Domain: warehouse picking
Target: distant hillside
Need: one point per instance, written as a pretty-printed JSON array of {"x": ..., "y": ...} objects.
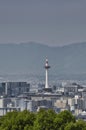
[{"x": 30, "y": 57}]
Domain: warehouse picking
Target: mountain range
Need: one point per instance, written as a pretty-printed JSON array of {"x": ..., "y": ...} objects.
[{"x": 29, "y": 58}]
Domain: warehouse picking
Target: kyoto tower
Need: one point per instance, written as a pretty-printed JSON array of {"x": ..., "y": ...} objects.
[{"x": 46, "y": 78}]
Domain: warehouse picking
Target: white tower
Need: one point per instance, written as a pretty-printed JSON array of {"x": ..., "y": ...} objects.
[
  {"x": 46, "y": 79},
  {"x": 6, "y": 89}
]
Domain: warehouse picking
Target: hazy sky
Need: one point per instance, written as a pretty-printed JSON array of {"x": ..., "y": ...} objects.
[{"x": 52, "y": 22}]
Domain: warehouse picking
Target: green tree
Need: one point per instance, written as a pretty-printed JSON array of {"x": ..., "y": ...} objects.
[
  {"x": 62, "y": 119},
  {"x": 7, "y": 121},
  {"x": 80, "y": 125},
  {"x": 17, "y": 120},
  {"x": 25, "y": 118},
  {"x": 44, "y": 120},
  {"x": 70, "y": 126},
  {"x": 66, "y": 116}
]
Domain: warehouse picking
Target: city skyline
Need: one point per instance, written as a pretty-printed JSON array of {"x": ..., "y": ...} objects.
[{"x": 54, "y": 23}]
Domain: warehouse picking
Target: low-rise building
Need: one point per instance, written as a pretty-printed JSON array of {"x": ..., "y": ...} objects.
[{"x": 70, "y": 89}]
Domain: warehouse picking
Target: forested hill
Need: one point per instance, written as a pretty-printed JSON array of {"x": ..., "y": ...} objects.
[{"x": 30, "y": 57}]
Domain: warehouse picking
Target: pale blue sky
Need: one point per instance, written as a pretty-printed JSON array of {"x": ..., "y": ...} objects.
[{"x": 51, "y": 22}]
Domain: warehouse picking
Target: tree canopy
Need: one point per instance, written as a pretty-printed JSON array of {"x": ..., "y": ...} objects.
[{"x": 42, "y": 120}]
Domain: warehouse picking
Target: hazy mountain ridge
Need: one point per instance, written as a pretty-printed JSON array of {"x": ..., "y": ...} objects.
[{"x": 30, "y": 58}]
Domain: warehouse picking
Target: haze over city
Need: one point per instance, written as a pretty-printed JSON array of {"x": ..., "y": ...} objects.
[
  {"x": 51, "y": 22},
  {"x": 42, "y": 64}
]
